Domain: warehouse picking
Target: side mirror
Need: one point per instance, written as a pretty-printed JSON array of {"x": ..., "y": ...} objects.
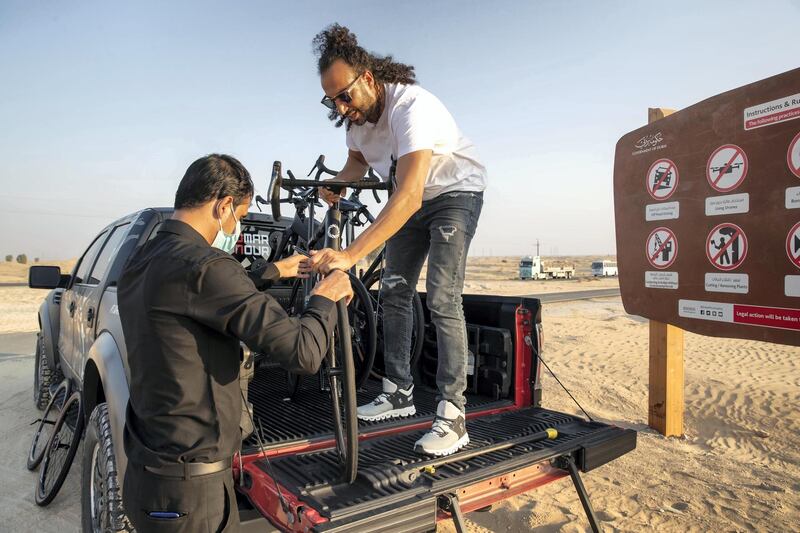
[{"x": 46, "y": 277}]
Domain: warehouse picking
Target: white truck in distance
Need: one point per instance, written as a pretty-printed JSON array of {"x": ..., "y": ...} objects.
[
  {"x": 532, "y": 267},
  {"x": 604, "y": 268}
]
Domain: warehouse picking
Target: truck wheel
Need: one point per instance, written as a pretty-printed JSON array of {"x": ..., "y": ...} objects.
[
  {"x": 43, "y": 376},
  {"x": 101, "y": 497}
]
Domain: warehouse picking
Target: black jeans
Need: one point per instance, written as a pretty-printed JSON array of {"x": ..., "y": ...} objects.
[
  {"x": 442, "y": 230},
  {"x": 206, "y": 504}
]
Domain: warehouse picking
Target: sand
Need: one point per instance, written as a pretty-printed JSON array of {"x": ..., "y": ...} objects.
[{"x": 735, "y": 470}]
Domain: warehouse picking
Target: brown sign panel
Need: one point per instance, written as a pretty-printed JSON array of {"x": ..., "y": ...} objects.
[{"x": 707, "y": 205}]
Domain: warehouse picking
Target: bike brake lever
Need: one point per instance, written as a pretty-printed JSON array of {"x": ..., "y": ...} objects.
[{"x": 375, "y": 194}]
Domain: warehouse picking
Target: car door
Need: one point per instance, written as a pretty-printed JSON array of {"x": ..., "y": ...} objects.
[
  {"x": 88, "y": 293},
  {"x": 69, "y": 303}
]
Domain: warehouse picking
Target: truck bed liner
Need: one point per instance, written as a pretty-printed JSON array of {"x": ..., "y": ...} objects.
[
  {"x": 384, "y": 462},
  {"x": 307, "y": 416}
]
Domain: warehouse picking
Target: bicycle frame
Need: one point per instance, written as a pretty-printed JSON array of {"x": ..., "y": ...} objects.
[{"x": 347, "y": 434}]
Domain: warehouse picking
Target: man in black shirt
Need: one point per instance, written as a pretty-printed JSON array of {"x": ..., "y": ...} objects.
[{"x": 185, "y": 304}]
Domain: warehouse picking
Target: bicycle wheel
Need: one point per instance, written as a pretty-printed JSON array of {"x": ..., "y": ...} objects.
[
  {"x": 60, "y": 450},
  {"x": 341, "y": 375},
  {"x": 44, "y": 430},
  {"x": 363, "y": 334},
  {"x": 363, "y": 331},
  {"x": 373, "y": 286}
]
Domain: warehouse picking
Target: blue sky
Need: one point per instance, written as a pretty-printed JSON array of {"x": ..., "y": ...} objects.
[{"x": 103, "y": 105}]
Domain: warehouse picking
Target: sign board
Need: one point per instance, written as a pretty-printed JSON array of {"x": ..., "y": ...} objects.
[{"x": 722, "y": 178}]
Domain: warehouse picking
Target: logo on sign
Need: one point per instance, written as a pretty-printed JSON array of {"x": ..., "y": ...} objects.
[
  {"x": 726, "y": 168},
  {"x": 651, "y": 140},
  {"x": 726, "y": 246},
  {"x": 661, "y": 248},
  {"x": 662, "y": 179},
  {"x": 793, "y": 245},
  {"x": 793, "y": 155}
]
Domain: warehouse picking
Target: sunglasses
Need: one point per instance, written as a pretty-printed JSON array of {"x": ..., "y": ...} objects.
[{"x": 343, "y": 95}]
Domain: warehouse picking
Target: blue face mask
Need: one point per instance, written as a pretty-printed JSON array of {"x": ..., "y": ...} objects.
[{"x": 224, "y": 241}]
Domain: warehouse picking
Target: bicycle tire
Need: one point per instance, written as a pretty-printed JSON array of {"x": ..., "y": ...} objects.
[
  {"x": 364, "y": 335},
  {"x": 59, "y": 456},
  {"x": 44, "y": 430},
  {"x": 363, "y": 332},
  {"x": 345, "y": 428},
  {"x": 417, "y": 331}
]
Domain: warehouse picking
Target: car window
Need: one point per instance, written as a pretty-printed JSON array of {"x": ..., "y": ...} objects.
[
  {"x": 107, "y": 254},
  {"x": 88, "y": 258}
]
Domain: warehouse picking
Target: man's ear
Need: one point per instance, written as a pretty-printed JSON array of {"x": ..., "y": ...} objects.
[
  {"x": 370, "y": 79},
  {"x": 222, "y": 206}
]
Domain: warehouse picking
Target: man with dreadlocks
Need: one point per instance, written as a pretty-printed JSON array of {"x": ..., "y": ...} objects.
[{"x": 439, "y": 181}]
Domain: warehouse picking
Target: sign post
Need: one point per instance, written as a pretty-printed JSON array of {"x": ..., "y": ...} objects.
[{"x": 665, "y": 382}]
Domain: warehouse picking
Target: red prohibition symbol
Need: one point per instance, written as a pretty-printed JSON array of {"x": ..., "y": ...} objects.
[
  {"x": 726, "y": 168},
  {"x": 793, "y": 155},
  {"x": 662, "y": 179},
  {"x": 726, "y": 246},
  {"x": 661, "y": 247},
  {"x": 793, "y": 245}
]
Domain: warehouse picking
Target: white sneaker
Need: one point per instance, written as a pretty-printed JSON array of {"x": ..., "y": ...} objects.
[
  {"x": 391, "y": 403},
  {"x": 448, "y": 433}
]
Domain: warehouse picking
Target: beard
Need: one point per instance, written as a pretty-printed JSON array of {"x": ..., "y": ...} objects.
[{"x": 372, "y": 113}]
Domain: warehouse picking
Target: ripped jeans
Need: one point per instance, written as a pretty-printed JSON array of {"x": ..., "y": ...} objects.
[{"x": 442, "y": 230}]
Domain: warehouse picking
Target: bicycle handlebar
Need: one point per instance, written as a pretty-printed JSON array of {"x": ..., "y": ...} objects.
[{"x": 277, "y": 182}]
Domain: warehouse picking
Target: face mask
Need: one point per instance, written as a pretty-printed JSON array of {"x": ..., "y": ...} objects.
[{"x": 226, "y": 242}]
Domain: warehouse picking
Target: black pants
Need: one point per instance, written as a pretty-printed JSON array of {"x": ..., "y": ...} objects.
[{"x": 205, "y": 504}]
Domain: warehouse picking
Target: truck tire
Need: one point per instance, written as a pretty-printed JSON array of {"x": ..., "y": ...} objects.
[
  {"x": 43, "y": 376},
  {"x": 101, "y": 497}
]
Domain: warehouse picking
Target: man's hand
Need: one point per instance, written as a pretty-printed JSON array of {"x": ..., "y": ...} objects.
[
  {"x": 292, "y": 267},
  {"x": 326, "y": 260},
  {"x": 330, "y": 197},
  {"x": 334, "y": 287}
]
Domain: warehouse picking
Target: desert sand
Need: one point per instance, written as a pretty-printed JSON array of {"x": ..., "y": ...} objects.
[{"x": 736, "y": 469}]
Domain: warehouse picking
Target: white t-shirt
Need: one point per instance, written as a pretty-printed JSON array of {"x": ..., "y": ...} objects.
[{"x": 414, "y": 119}]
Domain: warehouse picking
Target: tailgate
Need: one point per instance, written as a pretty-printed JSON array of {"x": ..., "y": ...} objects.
[{"x": 390, "y": 495}]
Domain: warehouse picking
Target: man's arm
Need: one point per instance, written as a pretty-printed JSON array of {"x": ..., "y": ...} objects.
[
  {"x": 225, "y": 299},
  {"x": 353, "y": 170},
  {"x": 412, "y": 169},
  {"x": 263, "y": 274}
]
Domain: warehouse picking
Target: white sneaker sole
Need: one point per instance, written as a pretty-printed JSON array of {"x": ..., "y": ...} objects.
[
  {"x": 394, "y": 413},
  {"x": 460, "y": 443}
]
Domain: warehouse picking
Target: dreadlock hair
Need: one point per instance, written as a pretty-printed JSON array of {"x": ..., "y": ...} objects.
[{"x": 338, "y": 42}]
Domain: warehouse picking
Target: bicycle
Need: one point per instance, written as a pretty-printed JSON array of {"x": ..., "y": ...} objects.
[
  {"x": 305, "y": 233},
  {"x": 341, "y": 353},
  {"x": 356, "y": 214}
]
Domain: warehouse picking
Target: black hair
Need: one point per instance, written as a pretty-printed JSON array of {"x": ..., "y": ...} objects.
[
  {"x": 338, "y": 42},
  {"x": 213, "y": 177}
]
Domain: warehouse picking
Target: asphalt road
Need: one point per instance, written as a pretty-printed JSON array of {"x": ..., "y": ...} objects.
[{"x": 575, "y": 295}]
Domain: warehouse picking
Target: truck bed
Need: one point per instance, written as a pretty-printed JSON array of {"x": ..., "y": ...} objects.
[{"x": 306, "y": 418}]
